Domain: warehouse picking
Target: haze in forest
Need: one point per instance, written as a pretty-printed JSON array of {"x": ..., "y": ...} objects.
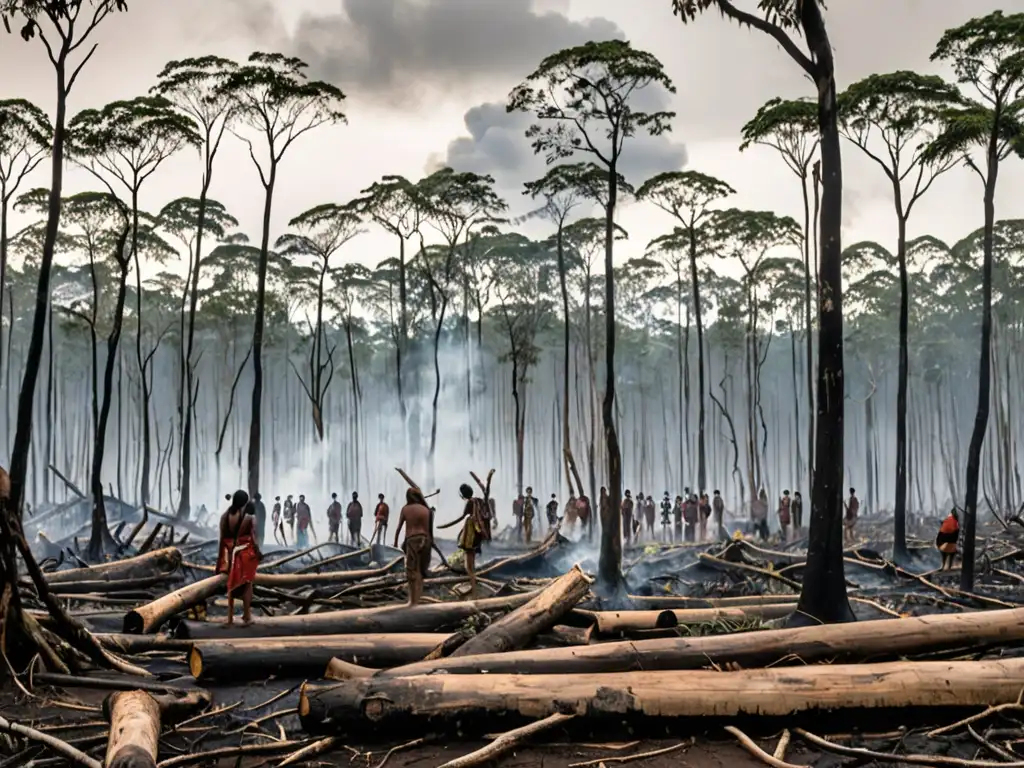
[{"x": 427, "y": 82}]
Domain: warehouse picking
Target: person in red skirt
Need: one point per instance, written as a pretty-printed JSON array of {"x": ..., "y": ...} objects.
[{"x": 239, "y": 554}]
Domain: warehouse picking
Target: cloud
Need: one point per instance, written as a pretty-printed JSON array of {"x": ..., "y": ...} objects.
[
  {"x": 496, "y": 144},
  {"x": 393, "y": 51}
]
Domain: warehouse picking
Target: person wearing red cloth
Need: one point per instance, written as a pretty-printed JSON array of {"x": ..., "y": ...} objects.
[
  {"x": 239, "y": 553},
  {"x": 946, "y": 541}
]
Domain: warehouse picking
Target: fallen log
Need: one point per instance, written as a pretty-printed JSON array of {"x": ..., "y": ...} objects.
[
  {"x": 517, "y": 629},
  {"x": 481, "y": 701},
  {"x": 291, "y": 580},
  {"x": 392, "y": 618},
  {"x": 258, "y": 658},
  {"x": 150, "y": 617},
  {"x": 669, "y": 602},
  {"x": 109, "y": 586},
  {"x": 160, "y": 561},
  {"x": 619, "y": 622},
  {"x": 865, "y": 640},
  {"x": 132, "y": 644},
  {"x": 134, "y": 739}
]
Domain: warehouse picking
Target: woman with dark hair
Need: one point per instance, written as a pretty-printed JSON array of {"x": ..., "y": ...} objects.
[
  {"x": 475, "y": 531},
  {"x": 239, "y": 554},
  {"x": 946, "y": 541}
]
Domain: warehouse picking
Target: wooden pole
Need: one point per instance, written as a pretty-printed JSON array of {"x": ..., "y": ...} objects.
[
  {"x": 134, "y": 730},
  {"x": 160, "y": 561},
  {"x": 151, "y": 616},
  {"x": 865, "y": 640},
  {"x": 477, "y": 702},
  {"x": 618, "y": 622}
]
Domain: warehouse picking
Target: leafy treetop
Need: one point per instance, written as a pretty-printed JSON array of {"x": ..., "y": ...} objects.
[
  {"x": 25, "y": 136},
  {"x": 685, "y": 195},
  {"x": 180, "y": 218},
  {"x": 274, "y": 97},
  {"x": 789, "y": 126},
  {"x": 455, "y": 200},
  {"x": 393, "y": 203},
  {"x": 129, "y": 139},
  {"x": 195, "y": 86},
  {"x": 743, "y": 234},
  {"x": 577, "y": 87},
  {"x": 320, "y": 231}
]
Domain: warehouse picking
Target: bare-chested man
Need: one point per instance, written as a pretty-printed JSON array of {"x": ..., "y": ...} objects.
[{"x": 419, "y": 536}]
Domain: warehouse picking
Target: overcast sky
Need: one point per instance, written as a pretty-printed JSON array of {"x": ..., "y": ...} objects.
[{"x": 427, "y": 81}]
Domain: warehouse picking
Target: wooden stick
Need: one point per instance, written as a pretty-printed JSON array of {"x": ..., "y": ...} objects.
[
  {"x": 407, "y": 745},
  {"x": 506, "y": 742},
  {"x": 870, "y": 754},
  {"x": 751, "y": 746},
  {"x": 60, "y": 747},
  {"x": 213, "y": 755},
  {"x": 313, "y": 750},
  {"x": 637, "y": 756}
]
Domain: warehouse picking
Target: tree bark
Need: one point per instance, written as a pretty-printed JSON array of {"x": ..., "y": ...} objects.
[
  {"x": 134, "y": 739},
  {"x": 619, "y": 622},
  {"x": 393, "y": 618},
  {"x": 376, "y": 705},
  {"x": 260, "y": 657},
  {"x": 158, "y": 562},
  {"x": 517, "y": 629},
  {"x": 151, "y": 616}
]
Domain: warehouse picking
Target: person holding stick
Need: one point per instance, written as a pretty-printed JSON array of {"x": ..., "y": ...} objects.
[{"x": 475, "y": 531}]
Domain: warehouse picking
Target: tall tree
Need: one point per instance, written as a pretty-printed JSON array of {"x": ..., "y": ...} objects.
[
  {"x": 564, "y": 188},
  {"x": 687, "y": 197},
  {"x": 193, "y": 86},
  {"x": 123, "y": 145},
  {"x": 888, "y": 117},
  {"x": 319, "y": 234},
  {"x": 823, "y": 596},
  {"x": 274, "y": 101},
  {"x": 791, "y": 129},
  {"x": 393, "y": 203},
  {"x": 25, "y": 137},
  {"x": 583, "y": 99},
  {"x": 987, "y": 55}
]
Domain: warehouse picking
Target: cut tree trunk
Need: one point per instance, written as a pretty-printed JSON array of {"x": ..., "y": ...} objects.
[
  {"x": 151, "y": 616},
  {"x": 617, "y": 622},
  {"x": 156, "y": 563},
  {"x": 519, "y": 628},
  {"x": 670, "y": 602},
  {"x": 880, "y": 639},
  {"x": 134, "y": 730},
  {"x": 288, "y": 580},
  {"x": 260, "y": 657},
  {"x": 478, "y": 702},
  {"x": 392, "y": 618}
]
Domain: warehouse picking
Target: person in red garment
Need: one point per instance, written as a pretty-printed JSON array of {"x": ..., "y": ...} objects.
[
  {"x": 239, "y": 554},
  {"x": 946, "y": 541}
]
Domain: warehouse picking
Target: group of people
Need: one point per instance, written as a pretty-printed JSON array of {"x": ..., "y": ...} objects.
[
  {"x": 295, "y": 519},
  {"x": 683, "y": 520},
  {"x": 525, "y": 507}
]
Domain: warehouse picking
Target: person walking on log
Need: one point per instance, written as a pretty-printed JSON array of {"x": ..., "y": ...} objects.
[
  {"x": 552, "y": 512},
  {"x": 475, "y": 531},
  {"x": 354, "y": 513},
  {"x": 850, "y": 521},
  {"x": 333, "y": 518},
  {"x": 418, "y": 522},
  {"x": 289, "y": 515},
  {"x": 303, "y": 523},
  {"x": 946, "y": 541},
  {"x": 277, "y": 522},
  {"x": 380, "y": 520},
  {"x": 239, "y": 553},
  {"x": 627, "y": 518}
]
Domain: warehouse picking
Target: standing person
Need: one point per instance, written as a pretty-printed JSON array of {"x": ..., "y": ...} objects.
[
  {"x": 784, "y": 514},
  {"x": 418, "y": 522},
  {"x": 571, "y": 514},
  {"x": 528, "y": 509},
  {"x": 261, "y": 518},
  {"x": 627, "y": 518},
  {"x": 759, "y": 514},
  {"x": 238, "y": 554},
  {"x": 474, "y": 533},
  {"x": 354, "y": 513},
  {"x": 289, "y": 516},
  {"x": 677, "y": 519},
  {"x": 852, "y": 508},
  {"x": 946, "y": 541},
  {"x": 517, "y": 513},
  {"x": 691, "y": 513},
  {"x": 718, "y": 510},
  {"x": 583, "y": 511},
  {"x": 381, "y": 513},
  {"x": 552, "y": 511},
  {"x": 797, "y": 508},
  {"x": 275, "y": 520},
  {"x": 304, "y": 523},
  {"x": 666, "y": 518},
  {"x": 704, "y": 513},
  {"x": 649, "y": 515},
  {"x": 333, "y": 518}
]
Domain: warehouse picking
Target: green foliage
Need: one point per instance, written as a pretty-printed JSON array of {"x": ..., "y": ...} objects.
[
  {"x": 393, "y": 203},
  {"x": 454, "y": 201},
  {"x": 180, "y": 218},
  {"x": 30, "y": 12},
  {"x": 585, "y": 92},
  {"x": 129, "y": 140},
  {"x": 986, "y": 53},
  {"x": 196, "y": 86},
  {"x": 685, "y": 195},
  {"x": 25, "y": 136},
  {"x": 742, "y": 234},
  {"x": 273, "y": 97},
  {"x": 320, "y": 232},
  {"x": 781, "y": 13}
]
